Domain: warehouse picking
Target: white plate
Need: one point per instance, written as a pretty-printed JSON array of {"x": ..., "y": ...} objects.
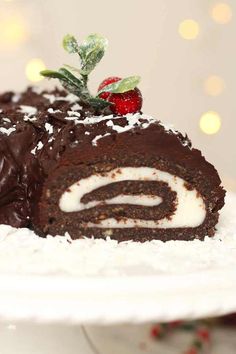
[{"x": 96, "y": 281}]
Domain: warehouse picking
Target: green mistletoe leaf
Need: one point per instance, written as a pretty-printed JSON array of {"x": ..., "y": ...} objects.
[
  {"x": 121, "y": 86},
  {"x": 70, "y": 44},
  {"x": 98, "y": 103},
  {"x": 72, "y": 68},
  {"x": 52, "y": 74},
  {"x": 91, "y": 52}
]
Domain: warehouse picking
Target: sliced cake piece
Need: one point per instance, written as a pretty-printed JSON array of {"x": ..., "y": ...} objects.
[{"x": 130, "y": 178}]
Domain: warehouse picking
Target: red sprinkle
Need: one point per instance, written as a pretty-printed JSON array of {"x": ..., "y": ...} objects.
[
  {"x": 192, "y": 351},
  {"x": 156, "y": 331},
  {"x": 175, "y": 324},
  {"x": 203, "y": 334}
]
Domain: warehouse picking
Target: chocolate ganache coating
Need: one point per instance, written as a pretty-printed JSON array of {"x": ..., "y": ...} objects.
[
  {"x": 53, "y": 148},
  {"x": 30, "y": 123}
]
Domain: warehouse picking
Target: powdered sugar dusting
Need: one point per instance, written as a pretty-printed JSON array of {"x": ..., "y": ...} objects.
[
  {"x": 169, "y": 127},
  {"x": 76, "y": 107},
  {"x": 73, "y": 114},
  {"x": 53, "y": 111},
  {"x": 7, "y": 131},
  {"x": 38, "y": 147},
  {"x": 37, "y": 89},
  {"x": 22, "y": 252},
  {"x": 133, "y": 120},
  {"x": 28, "y": 110},
  {"x": 98, "y": 137},
  {"x": 49, "y": 128},
  {"x": 16, "y": 97},
  {"x": 53, "y": 98},
  {"x": 6, "y": 120},
  {"x": 91, "y": 120}
]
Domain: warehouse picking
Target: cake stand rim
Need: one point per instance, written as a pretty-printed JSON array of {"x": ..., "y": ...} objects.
[{"x": 117, "y": 300}]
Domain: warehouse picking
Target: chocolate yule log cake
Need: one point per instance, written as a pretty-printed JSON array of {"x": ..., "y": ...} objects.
[{"x": 96, "y": 166}]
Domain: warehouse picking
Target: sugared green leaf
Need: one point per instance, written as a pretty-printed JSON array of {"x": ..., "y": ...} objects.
[
  {"x": 70, "y": 44},
  {"x": 71, "y": 88},
  {"x": 68, "y": 81},
  {"x": 98, "y": 103},
  {"x": 63, "y": 75},
  {"x": 121, "y": 86},
  {"x": 51, "y": 74},
  {"x": 72, "y": 68},
  {"x": 73, "y": 84},
  {"x": 91, "y": 52},
  {"x": 70, "y": 77}
]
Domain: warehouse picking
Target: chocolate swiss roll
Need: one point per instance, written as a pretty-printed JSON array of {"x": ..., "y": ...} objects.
[
  {"x": 127, "y": 178},
  {"x": 64, "y": 168}
]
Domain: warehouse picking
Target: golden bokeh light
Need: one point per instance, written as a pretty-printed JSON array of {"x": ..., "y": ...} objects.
[
  {"x": 189, "y": 29},
  {"x": 33, "y": 68},
  {"x": 214, "y": 85},
  {"x": 210, "y": 122},
  {"x": 221, "y": 13},
  {"x": 13, "y": 30}
]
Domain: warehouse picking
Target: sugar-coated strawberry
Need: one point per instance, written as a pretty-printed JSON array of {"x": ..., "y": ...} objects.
[
  {"x": 123, "y": 103},
  {"x": 127, "y": 102}
]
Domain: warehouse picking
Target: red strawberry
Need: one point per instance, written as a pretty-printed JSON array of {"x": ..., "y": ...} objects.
[
  {"x": 123, "y": 103},
  {"x": 108, "y": 81}
]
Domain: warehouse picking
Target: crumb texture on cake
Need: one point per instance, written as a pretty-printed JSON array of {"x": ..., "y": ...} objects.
[{"x": 65, "y": 167}]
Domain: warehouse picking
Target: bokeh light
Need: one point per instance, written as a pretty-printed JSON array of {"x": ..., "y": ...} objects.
[
  {"x": 221, "y": 13},
  {"x": 189, "y": 29},
  {"x": 210, "y": 122},
  {"x": 33, "y": 68},
  {"x": 13, "y": 30},
  {"x": 214, "y": 85}
]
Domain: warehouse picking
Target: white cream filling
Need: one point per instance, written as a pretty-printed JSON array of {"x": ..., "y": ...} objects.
[
  {"x": 144, "y": 200},
  {"x": 190, "y": 210}
]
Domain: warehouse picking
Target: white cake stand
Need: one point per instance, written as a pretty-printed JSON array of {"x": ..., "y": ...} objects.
[{"x": 96, "y": 282}]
